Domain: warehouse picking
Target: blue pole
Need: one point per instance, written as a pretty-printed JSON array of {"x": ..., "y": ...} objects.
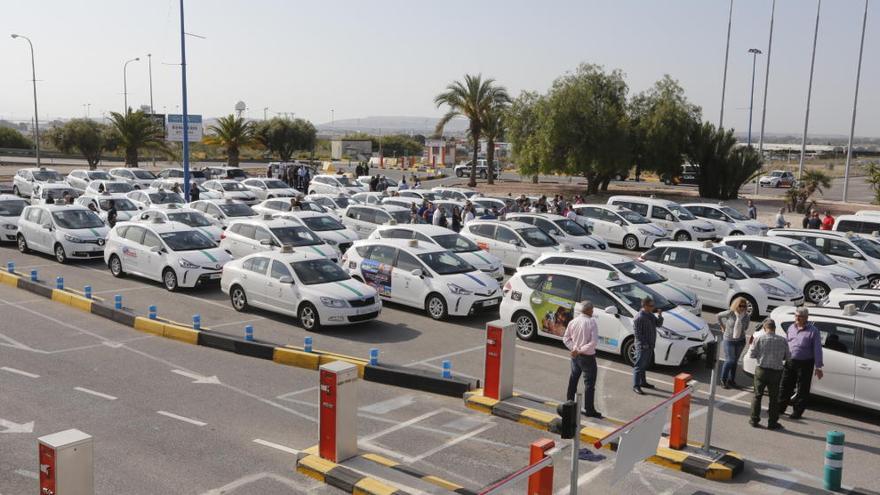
[
  {"x": 152, "y": 312},
  {"x": 307, "y": 344},
  {"x": 185, "y": 110},
  {"x": 249, "y": 333},
  {"x": 374, "y": 356},
  {"x": 87, "y": 291},
  {"x": 10, "y": 266},
  {"x": 59, "y": 283},
  {"x": 117, "y": 301},
  {"x": 447, "y": 369},
  {"x": 833, "y": 460},
  {"x": 33, "y": 275},
  {"x": 197, "y": 322}
]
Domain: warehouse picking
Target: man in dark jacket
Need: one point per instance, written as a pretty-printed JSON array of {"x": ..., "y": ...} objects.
[
  {"x": 645, "y": 333},
  {"x": 111, "y": 213}
]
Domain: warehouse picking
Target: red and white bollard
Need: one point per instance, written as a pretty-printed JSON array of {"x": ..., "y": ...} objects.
[
  {"x": 681, "y": 412},
  {"x": 500, "y": 360},
  {"x": 338, "y": 417},
  {"x": 541, "y": 483}
]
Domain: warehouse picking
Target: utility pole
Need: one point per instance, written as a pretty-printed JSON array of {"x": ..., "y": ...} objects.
[
  {"x": 852, "y": 126},
  {"x": 265, "y": 113},
  {"x": 766, "y": 84},
  {"x": 125, "y": 83},
  {"x": 809, "y": 92},
  {"x": 724, "y": 77},
  {"x": 185, "y": 111},
  {"x": 755, "y": 52},
  {"x": 34, "y": 81}
]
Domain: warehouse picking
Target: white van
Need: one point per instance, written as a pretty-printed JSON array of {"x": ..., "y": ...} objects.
[
  {"x": 515, "y": 243},
  {"x": 670, "y": 215},
  {"x": 852, "y": 250},
  {"x": 859, "y": 223},
  {"x": 363, "y": 219},
  {"x": 619, "y": 225}
]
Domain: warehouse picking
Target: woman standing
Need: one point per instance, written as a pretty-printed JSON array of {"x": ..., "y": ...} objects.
[
  {"x": 734, "y": 324},
  {"x": 456, "y": 219}
]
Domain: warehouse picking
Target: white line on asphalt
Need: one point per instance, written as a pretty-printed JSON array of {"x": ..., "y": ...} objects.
[
  {"x": 19, "y": 372},
  {"x": 588, "y": 476},
  {"x": 182, "y": 418},
  {"x": 233, "y": 486},
  {"x": 96, "y": 394},
  {"x": 450, "y": 354},
  {"x": 451, "y": 442},
  {"x": 400, "y": 426},
  {"x": 295, "y": 392},
  {"x": 27, "y": 474},
  {"x": 234, "y": 323},
  {"x": 720, "y": 402},
  {"x": 386, "y": 406},
  {"x": 276, "y": 446}
]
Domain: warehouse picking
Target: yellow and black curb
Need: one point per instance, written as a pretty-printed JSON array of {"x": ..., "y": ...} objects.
[
  {"x": 314, "y": 466},
  {"x": 388, "y": 374},
  {"x": 690, "y": 460},
  {"x": 427, "y": 478}
]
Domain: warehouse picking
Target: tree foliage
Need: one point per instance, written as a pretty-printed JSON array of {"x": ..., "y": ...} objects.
[
  {"x": 133, "y": 132},
  {"x": 232, "y": 133},
  {"x": 524, "y": 127},
  {"x": 11, "y": 138},
  {"x": 872, "y": 171},
  {"x": 398, "y": 145},
  {"x": 494, "y": 131},
  {"x": 84, "y": 136},
  {"x": 724, "y": 166},
  {"x": 283, "y": 137},
  {"x": 810, "y": 183}
]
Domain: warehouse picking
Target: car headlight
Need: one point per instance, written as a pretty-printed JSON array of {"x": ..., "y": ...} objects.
[
  {"x": 73, "y": 238},
  {"x": 186, "y": 264},
  {"x": 669, "y": 334},
  {"x": 331, "y": 242},
  {"x": 10, "y": 226},
  {"x": 773, "y": 291},
  {"x": 588, "y": 246},
  {"x": 331, "y": 302},
  {"x": 461, "y": 291},
  {"x": 843, "y": 279},
  {"x": 702, "y": 229},
  {"x": 646, "y": 232}
]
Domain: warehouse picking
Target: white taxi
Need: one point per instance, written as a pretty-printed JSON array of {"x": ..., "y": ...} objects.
[
  {"x": 224, "y": 210},
  {"x": 24, "y": 180},
  {"x": 187, "y": 216},
  {"x": 65, "y": 231},
  {"x": 108, "y": 186},
  {"x": 335, "y": 185},
  {"x": 301, "y": 284},
  {"x": 422, "y": 275},
  {"x": 567, "y": 232},
  {"x": 855, "y": 251},
  {"x": 726, "y": 220},
  {"x": 79, "y": 179},
  {"x": 324, "y": 226},
  {"x": 231, "y": 189},
  {"x": 681, "y": 223},
  {"x": 137, "y": 177},
  {"x": 515, "y": 243},
  {"x": 145, "y": 198},
  {"x": 54, "y": 190},
  {"x": 265, "y": 188},
  {"x": 332, "y": 202},
  {"x": 100, "y": 203},
  {"x": 10, "y": 211},
  {"x": 618, "y": 225},
  {"x": 251, "y": 235}
]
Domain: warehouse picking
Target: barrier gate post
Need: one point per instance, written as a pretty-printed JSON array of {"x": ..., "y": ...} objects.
[
  {"x": 338, "y": 416},
  {"x": 681, "y": 412},
  {"x": 499, "y": 364},
  {"x": 66, "y": 463},
  {"x": 541, "y": 483}
]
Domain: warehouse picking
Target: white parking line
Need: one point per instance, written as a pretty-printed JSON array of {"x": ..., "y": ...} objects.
[
  {"x": 19, "y": 372},
  {"x": 182, "y": 418},
  {"x": 400, "y": 426},
  {"x": 234, "y": 323},
  {"x": 450, "y": 354},
  {"x": 95, "y": 393},
  {"x": 276, "y": 446},
  {"x": 451, "y": 442}
]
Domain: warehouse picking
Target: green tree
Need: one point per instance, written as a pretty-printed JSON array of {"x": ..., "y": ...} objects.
[
  {"x": 232, "y": 133},
  {"x": 872, "y": 171},
  {"x": 810, "y": 183},
  {"x": 284, "y": 137},
  {"x": 471, "y": 98},
  {"x": 11, "y": 138},
  {"x": 133, "y": 132},
  {"x": 524, "y": 128},
  {"x": 724, "y": 166},
  {"x": 83, "y": 136},
  {"x": 399, "y": 145}
]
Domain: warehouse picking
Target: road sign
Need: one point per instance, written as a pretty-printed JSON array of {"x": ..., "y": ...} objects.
[{"x": 174, "y": 128}]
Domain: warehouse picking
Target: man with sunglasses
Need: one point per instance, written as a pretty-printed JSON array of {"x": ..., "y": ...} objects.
[{"x": 645, "y": 333}]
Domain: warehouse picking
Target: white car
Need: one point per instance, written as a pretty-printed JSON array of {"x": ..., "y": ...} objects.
[
  {"x": 852, "y": 250},
  {"x": 364, "y": 180},
  {"x": 224, "y": 210},
  {"x": 860, "y": 223},
  {"x": 332, "y": 202},
  {"x": 815, "y": 273},
  {"x": 364, "y": 219},
  {"x": 778, "y": 178},
  {"x": 454, "y": 193},
  {"x": 679, "y": 295},
  {"x": 55, "y": 190},
  {"x": 24, "y": 180},
  {"x": 489, "y": 203},
  {"x": 223, "y": 172},
  {"x": 301, "y": 284},
  {"x": 682, "y": 225},
  {"x": 169, "y": 185},
  {"x": 422, "y": 275},
  {"x": 369, "y": 198},
  {"x": 726, "y": 220},
  {"x": 172, "y": 253},
  {"x": 281, "y": 205},
  {"x": 232, "y": 189},
  {"x": 866, "y": 300},
  {"x": 720, "y": 274},
  {"x": 418, "y": 195},
  {"x": 325, "y": 226},
  {"x": 125, "y": 209},
  {"x": 65, "y": 231},
  {"x": 145, "y": 198},
  {"x": 516, "y": 244},
  {"x": 335, "y": 185},
  {"x": 619, "y": 225},
  {"x": 566, "y": 232},
  {"x": 195, "y": 176},
  {"x": 80, "y": 179},
  {"x": 540, "y": 301},
  {"x": 137, "y": 177},
  {"x": 247, "y": 236},
  {"x": 447, "y": 239},
  {"x": 109, "y": 186},
  {"x": 187, "y": 216},
  {"x": 10, "y": 211},
  {"x": 270, "y": 188},
  {"x": 850, "y": 351}
]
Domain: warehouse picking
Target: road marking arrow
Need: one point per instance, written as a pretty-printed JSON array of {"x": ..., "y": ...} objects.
[
  {"x": 13, "y": 427},
  {"x": 197, "y": 378}
]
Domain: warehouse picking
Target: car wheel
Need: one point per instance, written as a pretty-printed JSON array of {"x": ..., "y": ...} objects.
[
  {"x": 15, "y": 191},
  {"x": 736, "y": 232},
  {"x": 238, "y": 298},
  {"x": 115, "y": 266},
  {"x": 629, "y": 351},
  {"x": 874, "y": 283},
  {"x": 169, "y": 279},
  {"x": 682, "y": 236},
  {"x": 22, "y": 244},
  {"x": 630, "y": 242},
  {"x": 60, "y": 255},
  {"x": 458, "y": 173},
  {"x": 667, "y": 181},
  {"x": 815, "y": 292},
  {"x": 778, "y": 185},
  {"x": 526, "y": 327},
  {"x": 308, "y": 317},
  {"x": 311, "y": 192},
  {"x": 526, "y": 262},
  {"x": 435, "y": 305}
]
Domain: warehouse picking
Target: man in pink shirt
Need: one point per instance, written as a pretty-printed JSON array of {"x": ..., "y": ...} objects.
[{"x": 581, "y": 338}]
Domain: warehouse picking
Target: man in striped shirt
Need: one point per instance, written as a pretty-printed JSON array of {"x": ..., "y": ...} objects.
[
  {"x": 771, "y": 352},
  {"x": 581, "y": 338}
]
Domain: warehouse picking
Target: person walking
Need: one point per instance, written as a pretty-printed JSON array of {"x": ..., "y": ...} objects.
[
  {"x": 753, "y": 211},
  {"x": 780, "y": 219},
  {"x": 468, "y": 214},
  {"x": 805, "y": 221},
  {"x": 456, "y": 219},
  {"x": 645, "y": 333},
  {"x": 194, "y": 191},
  {"x": 805, "y": 344},
  {"x": 581, "y": 337},
  {"x": 734, "y": 323},
  {"x": 827, "y": 221},
  {"x": 770, "y": 351}
]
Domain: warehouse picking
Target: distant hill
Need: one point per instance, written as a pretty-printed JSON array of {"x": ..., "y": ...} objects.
[{"x": 392, "y": 125}]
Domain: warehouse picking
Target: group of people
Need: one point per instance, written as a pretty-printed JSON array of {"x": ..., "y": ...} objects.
[
  {"x": 811, "y": 220},
  {"x": 298, "y": 177},
  {"x": 785, "y": 363}
]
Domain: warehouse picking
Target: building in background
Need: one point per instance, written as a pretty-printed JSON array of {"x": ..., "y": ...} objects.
[
  {"x": 440, "y": 152},
  {"x": 351, "y": 149}
]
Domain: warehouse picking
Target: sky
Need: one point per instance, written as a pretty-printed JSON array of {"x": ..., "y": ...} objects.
[{"x": 391, "y": 57}]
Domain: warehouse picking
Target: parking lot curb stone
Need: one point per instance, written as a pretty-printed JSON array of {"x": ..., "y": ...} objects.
[
  {"x": 341, "y": 477},
  {"x": 403, "y": 468}
]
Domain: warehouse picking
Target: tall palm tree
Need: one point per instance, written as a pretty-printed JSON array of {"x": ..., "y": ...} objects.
[
  {"x": 493, "y": 130},
  {"x": 232, "y": 133},
  {"x": 133, "y": 132},
  {"x": 472, "y": 98}
]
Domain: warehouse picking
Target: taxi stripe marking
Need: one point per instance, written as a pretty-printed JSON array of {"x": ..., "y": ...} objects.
[
  {"x": 682, "y": 318},
  {"x": 676, "y": 289},
  {"x": 359, "y": 293},
  {"x": 209, "y": 256},
  {"x": 475, "y": 279}
]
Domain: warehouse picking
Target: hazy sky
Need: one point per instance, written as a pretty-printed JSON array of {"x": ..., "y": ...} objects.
[{"x": 389, "y": 57}]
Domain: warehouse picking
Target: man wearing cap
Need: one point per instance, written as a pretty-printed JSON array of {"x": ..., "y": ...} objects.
[
  {"x": 771, "y": 352},
  {"x": 581, "y": 338},
  {"x": 805, "y": 344}
]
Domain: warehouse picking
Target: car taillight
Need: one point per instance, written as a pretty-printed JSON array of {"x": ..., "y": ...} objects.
[
  {"x": 641, "y": 258},
  {"x": 222, "y": 235}
]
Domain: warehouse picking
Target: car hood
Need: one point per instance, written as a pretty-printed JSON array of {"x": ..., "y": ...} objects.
[
  {"x": 211, "y": 231},
  {"x": 89, "y": 233},
  {"x": 683, "y": 322},
  {"x": 699, "y": 223},
  {"x": 752, "y": 224},
  {"x": 676, "y": 294},
  {"x": 212, "y": 259},
  {"x": 476, "y": 281},
  {"x": 344, "y": 235},
  {"x": 345, "y": 289},
  {"x": 653, "y": 228},
  {"x": 481, "y": 259},
  {"x": 238, "y": 194},
  {"x": 842, "y": 269},
  {"x": 782, "y": 284}
]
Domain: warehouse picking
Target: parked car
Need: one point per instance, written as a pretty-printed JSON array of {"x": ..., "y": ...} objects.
[
  {"x": 231, "y": 189},
  {"x": 270, "y": 188},
  {"x": 79, "y": 179},
  {"x": 673, "y": 217},
  {"x": 335, "y": 185},
  {"x": 245, "y": 236},
  {"x": 145, "y": 198},
  {"x": 25, "y": 178},
  {"x": 778, "y": 178},
  {"x": 224, "y": 210},
  {"x": 726, "y": 220},
  {"x": 55, "y": 190},
  {"x": 853, "y": 250},
  {"x": 185, "y": 215},
  {"x": 454, "y": 193},
  {"x": 65, "y": 231},
  {"x": 137, "y": 177},
  {"x": 363, "y": 219},
  {"x": 195, "y": 176},
  {"x": 325, "y": 226},
  {"x": 332, "y": 202},
  {"x": 565, "y": 231},
  {"x": 223, "y": 172},
  {"x": 464, "y": 169},
  {"x": 859, "y": 224},
  {"x": 619, "y": 225},
  {"x": 516, "y": 244},
  {"x": 125, "y": 209},
  {"x": 99, "y": 186},
  {"x": 864, "y": 300},
  {"x": 11, "y": 207}
]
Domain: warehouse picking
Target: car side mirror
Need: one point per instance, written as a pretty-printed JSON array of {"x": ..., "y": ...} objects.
[
  {"x": 286, "y": 280},
  {"x": 619, "y": 222},
  {"x": 516, "y": 242},
  {"x": 858, "y": 256},
  {"x": 47, "y": 227},
  {"x": 611, "y": 310},
  {"x": 794, "y": 262},
  {"x": 266, "y": 242},
  {"x": 669, "y": 217},
  {"x": 721, "y": 275},
  {"x": 416, "y": 272},
  {"x": 155, "y": 249}
]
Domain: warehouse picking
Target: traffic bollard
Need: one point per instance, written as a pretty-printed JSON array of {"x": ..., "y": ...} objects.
[
  {"x": 117, "y": 301},
  {"x": 151, "y": 312},
  {"x": 249, "y": 333},
  {"x": 447, "y": 369},
  {"x": 681, "y": 413},
  {"x": 374, "y": 356},
  {"x": 33, "y": 275},
  {"x": 87, "y": 291},
  {"x": 541, "y": 482},
  {"x": 197, "y": 322},
  {"x": 10, "y": 266},
  {"x": 307, "y": 344},
  {"x": 59, "y": 283},
  {"x": 833, "y": 460}
]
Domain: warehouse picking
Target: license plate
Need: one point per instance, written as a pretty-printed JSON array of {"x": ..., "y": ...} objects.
[
  {"x": 490, "y": 302},
  {"x": 216, "y": 275}
]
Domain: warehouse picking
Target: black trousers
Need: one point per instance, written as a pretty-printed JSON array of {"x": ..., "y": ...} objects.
[
  {"x": 583, "y": 365},
  {"x": 796, "y": 379}
]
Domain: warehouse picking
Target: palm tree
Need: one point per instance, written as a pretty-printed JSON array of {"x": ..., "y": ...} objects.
[
  {"x": 232, "y": 133},
  {"x": 493, "y": 130},
  {"x": 811, "y": 182},
  {"x": 473, "y": 99},
  {"x": 133, "y": 132}
]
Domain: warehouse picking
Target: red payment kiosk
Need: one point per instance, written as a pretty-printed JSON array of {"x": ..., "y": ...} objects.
[
  {"x": 338, "y": 417},
  {"x": 66, "y": 463},
  {"x": 500, "y": 354}
]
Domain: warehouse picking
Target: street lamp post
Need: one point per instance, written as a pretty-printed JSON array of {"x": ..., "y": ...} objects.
[
  {"x": 809, "y": 92},
  {"x": 34, "y": 80},
  {"x": 125, "y": 82},
  {"x": 724, "y": 77},
  {"x": 766, "y": 84},
  {"x": 185, "y": 107},
  {"x": 852, "y": 126},
  {"x": 755, "y": 52},
  {"x": 150, "y": 72}
]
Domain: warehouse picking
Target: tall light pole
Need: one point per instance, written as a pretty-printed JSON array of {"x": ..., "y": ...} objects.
[
  {"x": 852, "y": 126},
  {"x": 34, "y": 80},
  {"x": 265, "y": 113},
  {"x": 724, "y": 77},
  {"x": 809, "y": 92},
  {"x": 755, "y": 52},
  {"x": 185, "y": 110},
  {"x": 125, "y": 82},
  {"x": 86, "y": 107},
  {"x": 766, "y": 84},
  {"x": 150, "y": 72}
]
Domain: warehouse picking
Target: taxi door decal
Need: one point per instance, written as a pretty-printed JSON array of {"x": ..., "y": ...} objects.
[
  {"x": 553, "y": 313},
  {"x": 377, "y": 275}
]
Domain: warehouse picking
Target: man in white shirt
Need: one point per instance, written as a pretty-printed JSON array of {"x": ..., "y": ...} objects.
[{"x": 581, "y": 338}]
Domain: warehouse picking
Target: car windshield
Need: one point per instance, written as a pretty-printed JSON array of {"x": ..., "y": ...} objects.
[
  {"x": 235, "y": 173},
  {"x": 681, "y": 212},
  {"x": 640, "y": 272},
  {"x": 117, "y": 187},
  {"x": 429, "y": 196},
  {"x": 57, "y": 193},
  {"x": 401, "y": 216},
  {"x": 237, "y": 210},
  {"x": 811, "y": 254},
  {"x": 143, "y": 174},
  {"x": 275, "y": 184},
  {"x": 345, "y": 181},
  {"x": 121, "y": 204},
  {"x": 47, "y": 175},
  {"x": 634, "y": 292},
  {"x": 99, "y": 175},
  {"x": 776, "y": 174},
  {"x": 309, "y": 206},
  {"x": 734, "y": 213},
  {"x": 77, "y": 219},
  {"x": 632, "y": 217},
  {"x": 320, "y": 271},
  {"x": 446, "y": 263},
  {"x": 296, "y": 236},
  {"x": 342, "y": 202},
  {"x": 187, "y": 240},
  {"x": 869, "y": 248},
  {"x": 536, "y": 237},
  {"x": 322, "y": 223},
  {"x": 751, "y": 266},
  {"x": 571, "y": 228},
  {"x": 456, "y": 243},
  {"x": 196, "y": 174},
  {"x": 165, "y": 197},
  {"x": 191, "y": 218},
  {"x": 233, "y": 186},
  {"x": 12, "y": 208}
]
